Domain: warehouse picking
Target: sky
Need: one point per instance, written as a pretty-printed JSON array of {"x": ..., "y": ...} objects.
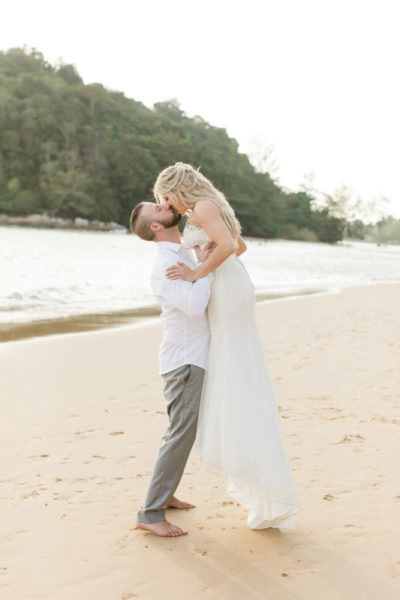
[{"x": 316, "y": 81}]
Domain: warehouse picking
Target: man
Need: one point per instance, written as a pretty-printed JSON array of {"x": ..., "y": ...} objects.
[{"x": 183, "y": 356}]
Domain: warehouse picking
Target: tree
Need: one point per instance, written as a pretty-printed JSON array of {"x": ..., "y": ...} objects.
[
  {"x": 81, "y": 150},
  {"x": 69, "y": 74},
  {"x": 328, "y": 229},
  {"x": 261, "y": 154}
]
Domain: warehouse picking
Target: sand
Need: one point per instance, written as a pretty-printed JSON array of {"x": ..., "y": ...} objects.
[{"x": 81, "y": 420}]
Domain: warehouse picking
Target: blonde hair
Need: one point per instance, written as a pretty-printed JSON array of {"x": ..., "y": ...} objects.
[{"x": 186, "y": 184}]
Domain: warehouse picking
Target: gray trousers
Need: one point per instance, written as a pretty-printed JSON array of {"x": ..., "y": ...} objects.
[{"x": 182, "y": 391}]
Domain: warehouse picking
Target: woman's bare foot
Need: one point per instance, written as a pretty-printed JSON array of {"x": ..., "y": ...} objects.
[
  {"x": 175, "y": 503},
  {"x": 162, "y": 528}
]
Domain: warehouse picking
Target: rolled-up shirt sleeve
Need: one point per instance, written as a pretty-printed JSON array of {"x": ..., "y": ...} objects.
[{"x": 191, "y": 298}]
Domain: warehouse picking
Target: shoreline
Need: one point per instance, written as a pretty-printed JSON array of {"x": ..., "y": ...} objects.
[
  {"x": 137, "y": 317},
  {"x": 45, "y": 221},
  {"x": 12, "y": 332},
  {"x": 81, "y": 422}
]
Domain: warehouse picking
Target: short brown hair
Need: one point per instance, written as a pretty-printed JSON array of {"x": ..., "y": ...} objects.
[{"x": 141, "y": 225}]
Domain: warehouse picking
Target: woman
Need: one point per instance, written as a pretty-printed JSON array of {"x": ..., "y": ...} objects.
[{"x": 238, "y": 433}]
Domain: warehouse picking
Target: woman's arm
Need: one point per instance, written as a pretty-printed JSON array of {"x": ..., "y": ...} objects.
[
  {"x": 241, "y": 246},
  {"x": 209, "y": 218}
]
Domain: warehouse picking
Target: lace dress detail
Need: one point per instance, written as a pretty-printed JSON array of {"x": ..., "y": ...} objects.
[
  {"x": 195, "y": 236},
  {"x": 239, "y": 434}
]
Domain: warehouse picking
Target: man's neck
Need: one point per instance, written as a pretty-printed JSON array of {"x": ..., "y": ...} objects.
[{"x": 169, "y": 235}]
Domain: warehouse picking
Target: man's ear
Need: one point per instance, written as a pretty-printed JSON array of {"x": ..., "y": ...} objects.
[{"x": 154, "y": 226}]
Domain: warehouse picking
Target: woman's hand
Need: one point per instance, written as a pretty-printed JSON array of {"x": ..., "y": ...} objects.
[{"x": 180, "y": 271}]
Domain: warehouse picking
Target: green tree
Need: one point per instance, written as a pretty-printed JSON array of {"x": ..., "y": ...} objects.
[{"x": 81, "y": 150}]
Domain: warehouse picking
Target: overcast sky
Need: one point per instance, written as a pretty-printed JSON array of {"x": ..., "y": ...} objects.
[{"x": 318, "y": 79}]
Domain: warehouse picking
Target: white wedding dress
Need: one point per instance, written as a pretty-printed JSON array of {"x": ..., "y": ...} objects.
[{"x": 239, "y": 435}]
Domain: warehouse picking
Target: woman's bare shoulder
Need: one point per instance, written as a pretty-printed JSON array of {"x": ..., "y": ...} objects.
[{"x": 204, "y": 210}]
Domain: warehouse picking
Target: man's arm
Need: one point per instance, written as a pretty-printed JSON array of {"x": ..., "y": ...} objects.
[{"x": 191, "y": 298}]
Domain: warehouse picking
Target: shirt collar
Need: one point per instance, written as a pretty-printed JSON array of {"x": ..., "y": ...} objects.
[{"x": 169, "y": 246}]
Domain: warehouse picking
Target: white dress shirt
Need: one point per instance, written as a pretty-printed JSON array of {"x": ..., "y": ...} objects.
[{"x": 183, "y": 304}]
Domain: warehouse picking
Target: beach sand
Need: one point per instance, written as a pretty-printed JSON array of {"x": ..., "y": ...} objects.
[{"x": 81, "y": 420}]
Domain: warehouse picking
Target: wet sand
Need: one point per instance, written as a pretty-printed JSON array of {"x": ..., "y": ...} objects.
[
  {"x": 10, "y": 332},
  {"x": 13, "y": 331},
  {"x": 81, "y": 420}
]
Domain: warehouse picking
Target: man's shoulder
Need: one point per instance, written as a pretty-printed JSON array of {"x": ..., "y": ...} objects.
[
  {"x": 168, "y": 255},
  {"x": 165, "y": 259}
]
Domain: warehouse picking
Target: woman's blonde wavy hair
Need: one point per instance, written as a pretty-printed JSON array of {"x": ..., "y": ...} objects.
[{"x": 186, "y": 184}]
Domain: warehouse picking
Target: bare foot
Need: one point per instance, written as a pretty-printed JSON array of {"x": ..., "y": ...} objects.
[
  {"x": 162, "y": 528},
  {"x": 175, "y": 503}
]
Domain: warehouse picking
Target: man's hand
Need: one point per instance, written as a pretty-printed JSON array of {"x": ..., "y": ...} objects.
[
  {"x": 203, "y": 253},
  {"x": 180, "y": 271}
]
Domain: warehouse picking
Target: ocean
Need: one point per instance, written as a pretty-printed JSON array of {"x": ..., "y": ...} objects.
[{"x": 50, "y": 276}]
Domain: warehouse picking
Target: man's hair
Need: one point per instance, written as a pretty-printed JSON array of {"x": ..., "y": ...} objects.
[{"x": 140, "y": 224}]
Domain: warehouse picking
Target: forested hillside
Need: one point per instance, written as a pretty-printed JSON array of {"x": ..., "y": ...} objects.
[{"x": 76, "y": 150}]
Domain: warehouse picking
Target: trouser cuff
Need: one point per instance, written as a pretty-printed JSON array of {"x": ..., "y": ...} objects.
[{"x": 150, "y": 516}]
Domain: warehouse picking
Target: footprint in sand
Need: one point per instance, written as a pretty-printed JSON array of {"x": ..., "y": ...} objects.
[
  {"x": 122, "y": 542},
  {"x": 350, "y": 438},
  {"x": 329, "y": 497},
  {"x": 31, "y": 495}
]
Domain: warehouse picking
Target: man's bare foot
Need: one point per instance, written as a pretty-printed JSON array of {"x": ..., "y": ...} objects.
[
  {"x": 175, "y": 503},
  {"x": 162, "y": 528}
]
